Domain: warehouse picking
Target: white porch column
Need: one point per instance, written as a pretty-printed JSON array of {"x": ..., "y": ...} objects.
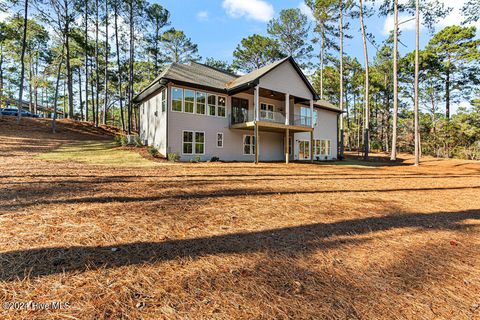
[
  {"x": 256, "y": 103},
  {"x": 287, "y": 109},
  {"x": 311, "y": 113}
]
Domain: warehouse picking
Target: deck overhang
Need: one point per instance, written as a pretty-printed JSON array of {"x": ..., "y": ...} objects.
[{"x": 271, "y": 127}]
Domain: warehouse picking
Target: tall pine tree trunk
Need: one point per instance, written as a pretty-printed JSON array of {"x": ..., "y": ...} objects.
[
  {"x": 342, "y": 135},
  {"x": 130, "y": 76},
  {"x": 105, "y": 106},
  {"x": 393, "y": 155},
  {"x": 55, "y": 98},
  {"x": 86, "y": 59},
  {"x": 67, "y": 62},
  {"x": 417, "y": 67},
  {"x": 80, "y": 93},
  {"x": 447, "y": 95},
  {"x": 22, "y": 61},
  {"x": 1, "y": 77},
  {"x": 367, "y": 84},
  {"x": 97, "y": 67},
  {"x": 322, "y": 62},
  {"x": 119, "y": 71}
]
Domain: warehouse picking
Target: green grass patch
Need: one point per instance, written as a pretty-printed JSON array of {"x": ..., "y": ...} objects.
[{"x": 98, "y": 153}]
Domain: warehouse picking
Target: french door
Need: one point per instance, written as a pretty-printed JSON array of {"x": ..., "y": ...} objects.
[{"x": 304, "y": 150}]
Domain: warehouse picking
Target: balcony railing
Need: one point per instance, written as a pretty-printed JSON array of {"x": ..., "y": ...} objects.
[{"x": 243, "y": 116}]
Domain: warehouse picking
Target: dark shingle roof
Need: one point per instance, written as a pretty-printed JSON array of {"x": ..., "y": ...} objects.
[
  {"x": 212, "y": 78},
  {"x": 199, "y": 74}
]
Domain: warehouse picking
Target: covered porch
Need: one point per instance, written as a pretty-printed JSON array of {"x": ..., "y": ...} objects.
[{"x": 272, "y": 111}]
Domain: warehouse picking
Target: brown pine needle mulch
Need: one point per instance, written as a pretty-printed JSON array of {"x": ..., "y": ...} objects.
[{"x": 233, "y": 240}]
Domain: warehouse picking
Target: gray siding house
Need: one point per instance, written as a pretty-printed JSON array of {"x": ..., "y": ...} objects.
[{"x": 270, "y": 114}]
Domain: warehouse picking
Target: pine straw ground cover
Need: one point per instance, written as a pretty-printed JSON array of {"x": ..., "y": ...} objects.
[{"x": 235, "y": 241}]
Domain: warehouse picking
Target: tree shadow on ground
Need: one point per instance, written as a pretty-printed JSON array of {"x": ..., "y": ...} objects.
[{"x": 299, "y": 239}]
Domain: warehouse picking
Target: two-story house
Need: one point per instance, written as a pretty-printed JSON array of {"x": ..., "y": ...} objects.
[{"x": 270, "y": 114}]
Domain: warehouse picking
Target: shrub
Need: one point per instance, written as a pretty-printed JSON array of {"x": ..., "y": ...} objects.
[
  {"x": 121, "y": 140},
  {"x": 214, "y": 159},
  {"x": 153, "y": 152},
  {"x": 196, "y": 159},
  {"x": 173, "y": 157},
  {"x": 138, "y": 141}
]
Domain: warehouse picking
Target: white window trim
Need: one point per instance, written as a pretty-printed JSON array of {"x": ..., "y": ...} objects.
[
  {"x": 163, "y": 99},
  {"x": 171, "y": 99},
  {"x": 309, "y": 149},
  {"x": 208, "y": 105},
  {"x": 223, "y": 140},
  {"x": 252, "y": 138},
  {"x": 225, "y": 106},
  {"x": 267, "y": 111},
  {"x": 204, "y": 106},
  {"x": 194, "y": 101},
  {"x": 194, "y": 142}
]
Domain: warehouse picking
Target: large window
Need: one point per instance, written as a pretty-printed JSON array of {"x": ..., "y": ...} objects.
[
  {"x": 323, "y": 147},
  {"x": 222, "y": 102},
  {"x": 177, "y": 99},
  {"x": 187, "y": 142},
  {"x": 318, "y": 144},
  {"x": 219, "y": 139},
  {"x": 189, "y": 100},
  {"x": 248, "y": 144},
  {"x": 201, "y": 100},
  {"x": 193, "y": 142},
  {"x": 212, "y": 105},
  {"x": 199, "y": 142},
  {"x": 164, "y": 100},
  {"x": 305, "y": 117},
  {"x": 266, "y": 111}
]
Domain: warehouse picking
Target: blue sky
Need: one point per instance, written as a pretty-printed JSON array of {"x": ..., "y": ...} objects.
[{"x": 217, "y": 26}]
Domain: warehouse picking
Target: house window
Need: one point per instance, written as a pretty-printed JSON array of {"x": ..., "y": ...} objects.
[
  {"x": 266, "y": 111},
  {"x": 189, "y": 100},
  {"x": 305, "y": 118},
  {"x": 193, "y": 142},
  {"x": 164, "y": 100},
  {"x": 201, "y": 100},
  {"x": 177, "y": 98},
  {"x": 248, "y": 144},
  {"x": 323, "y": 147},
  {"x": 212, "y": 104},
  {"x": 199, "y": 142},
  {"x": 221, "y": 106},
  {"x": 328, "y": 147},
  {"x": 318, "y": 144},
  {"x": 315, "y": 117},
  {"x": 187, "y": 142},
  {"x": 220, "y": 140}
]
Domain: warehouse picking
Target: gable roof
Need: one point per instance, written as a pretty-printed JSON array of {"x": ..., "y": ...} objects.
[
  {"x": 207, "y": 77},
  {"x": 254, "y": 76}
]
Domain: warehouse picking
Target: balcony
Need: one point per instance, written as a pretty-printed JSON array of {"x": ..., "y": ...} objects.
[
  {"x": 269, "y": 121},
  {"x": 241, "y": 116}
]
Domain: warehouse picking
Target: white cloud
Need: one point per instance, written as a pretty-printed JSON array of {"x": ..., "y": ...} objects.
[
  {"x": 251, "y": 9},
  {"x": 4, "y": 15},
  {"x": 306, "y": 11},
  {"x": 202, "y": 15},
  {"x": 454, "y": 17},
  {"x": 405, "y": 26}
]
